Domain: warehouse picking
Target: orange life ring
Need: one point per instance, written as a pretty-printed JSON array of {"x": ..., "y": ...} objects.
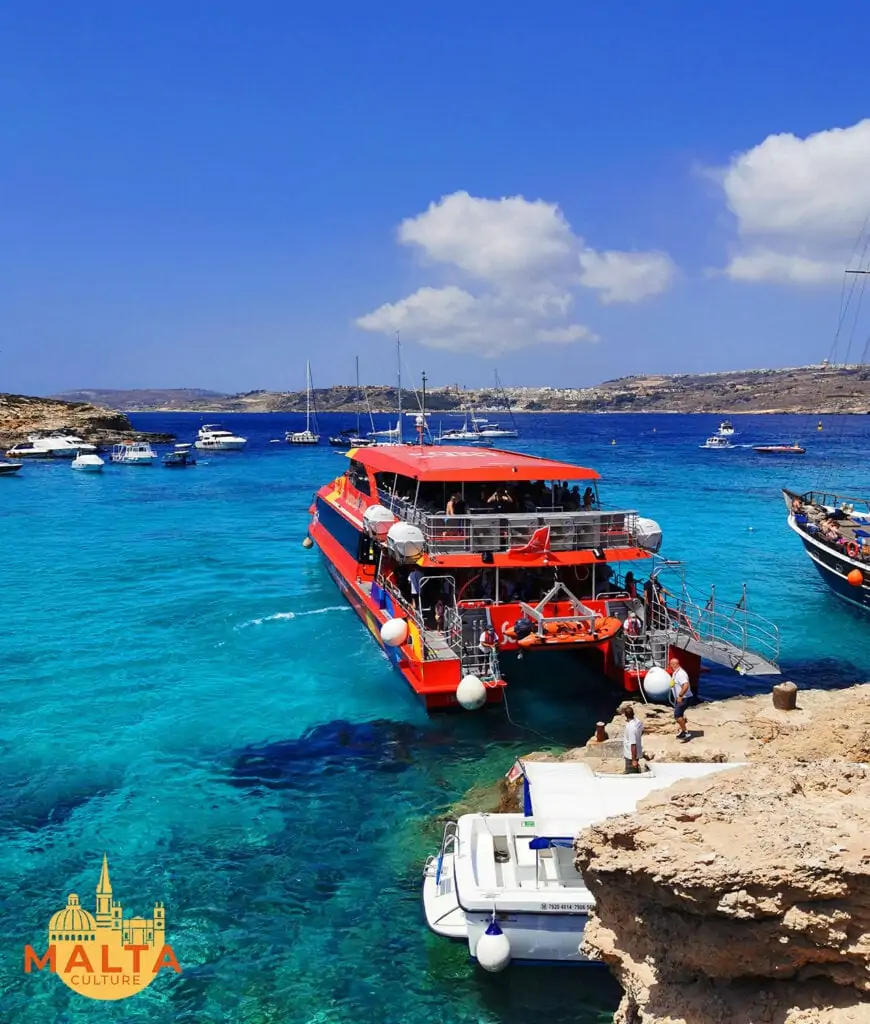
[{"x": 852, "y": 549}]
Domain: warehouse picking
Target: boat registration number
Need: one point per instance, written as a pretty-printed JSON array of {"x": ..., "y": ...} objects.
[{"x": 583, "y": 908}]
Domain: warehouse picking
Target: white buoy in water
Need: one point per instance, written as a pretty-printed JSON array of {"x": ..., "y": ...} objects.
[
  {"x": 308, "y": 543},
  {"x": 657, "y": 684},
  {"x": 394, "y": 632},
  {"x": 471, "y": 693},
  {"x": 493, "y": 948}
]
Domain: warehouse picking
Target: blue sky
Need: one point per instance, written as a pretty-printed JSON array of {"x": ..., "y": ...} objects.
[{"x": 207, "y": 193}]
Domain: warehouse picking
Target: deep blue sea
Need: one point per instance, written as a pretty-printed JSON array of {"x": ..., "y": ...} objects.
[{"x": 183, "y": 687}]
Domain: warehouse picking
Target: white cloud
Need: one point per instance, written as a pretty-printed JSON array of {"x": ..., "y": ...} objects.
[
  {"x": 525, "y": 266},
  {"x": 800, "y": 204},
  {"x": 626, "y": 276}
]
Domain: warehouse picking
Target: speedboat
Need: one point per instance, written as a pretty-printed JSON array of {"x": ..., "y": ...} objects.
[
  {"x": 137, "y": 453},
  {"x": 511, "y": 877},
  {"x": 350, "y": 439},
  {"x": 179, "y": 458},
  {"x": 306, "y": 436},
  {"x": 213, "y": 437},
  {"x": 779, "y": 449},
  {"x": 26, "y": 451},
  {"x": 726, "y": 429},
  {"x": 716, "y": 441},
  {"x": 8, "y": 468},
  {"x": 59, "y": 445},
  {"x": 86, "y": 463}
]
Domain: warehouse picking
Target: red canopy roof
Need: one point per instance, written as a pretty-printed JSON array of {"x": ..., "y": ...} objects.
[{"x": 457, "y": 464}]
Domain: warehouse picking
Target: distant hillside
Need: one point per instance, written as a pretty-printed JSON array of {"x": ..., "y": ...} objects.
[
  {"x": 803, "y": 389},
  {"x": 141, "y": 399}
]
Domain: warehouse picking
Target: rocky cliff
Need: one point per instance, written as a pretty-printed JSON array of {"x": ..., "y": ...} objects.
[
  {"x": 744, "y": 897},
  {"x": 21, "y": 415}
]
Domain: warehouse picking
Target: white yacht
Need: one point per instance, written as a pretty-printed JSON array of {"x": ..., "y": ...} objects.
[
  {"x": 87, "y": 463},
  {"x": 306, "y": 436},
  {"x": 9, "y": 468},
  {"x": 511, "y": 877},
  {"x": 57, "y": 445},
  {"x": 213, "y": 437},
  {"x": 717, "y": 441},
  {"x": 726, "y": 429},
  {"x": 137, "y": 453}
]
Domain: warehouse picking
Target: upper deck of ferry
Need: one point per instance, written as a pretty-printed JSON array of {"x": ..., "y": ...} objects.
[{"x": 467, "y": 501}]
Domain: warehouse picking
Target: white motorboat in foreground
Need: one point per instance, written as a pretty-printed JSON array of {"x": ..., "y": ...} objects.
[
  {"x": 85, "y": 463},
  {"x": 139, "y": 453},
  {"x": 716, "y": 441},
  {"x": 506, "y": 883},
  {"x": 213, "y": 437},
  {"x": 9, "y": 468}
]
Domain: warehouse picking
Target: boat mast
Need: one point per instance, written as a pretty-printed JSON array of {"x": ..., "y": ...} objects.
[
  {"x": 307, "y": 396},
  {"x": 507, "y": 401},
  {"x": 399, "y": 363},
  {"x": 358, "y": 396}
]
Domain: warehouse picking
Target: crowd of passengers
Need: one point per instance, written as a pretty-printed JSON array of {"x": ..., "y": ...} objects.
[
  {"x": 479, "y": 499},
  {"x": 825, "y": 525}
]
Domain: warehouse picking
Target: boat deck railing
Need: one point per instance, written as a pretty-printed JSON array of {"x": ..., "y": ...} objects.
[
  {"x": 436, "y": 642},
  {"x": 487, "y": 531},
  {"x": 826, "y": 499}
]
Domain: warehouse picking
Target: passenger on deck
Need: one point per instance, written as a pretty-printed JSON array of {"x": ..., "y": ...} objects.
[
  {"x": 797, "y": 507},
  {"x": 633, "y": 625},
  {"x": 588, "y": 499},
  {"x": 502, "y": 500},
  {"x": 631, "y": 585},
  {"x": 456, "y": 506}
]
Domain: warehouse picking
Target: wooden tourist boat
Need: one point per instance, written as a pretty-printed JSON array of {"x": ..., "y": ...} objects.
[{"x": 456, "y": 558}]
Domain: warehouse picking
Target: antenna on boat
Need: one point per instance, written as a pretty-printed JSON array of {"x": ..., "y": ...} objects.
[
  {"x": 399, "y": 364},
  {"x": 422, "y": 430}
]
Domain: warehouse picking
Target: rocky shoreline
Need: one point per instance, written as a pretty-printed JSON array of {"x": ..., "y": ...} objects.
[
  {"x": 745, "y": 896},
  {"x": 23, "y": 415}
]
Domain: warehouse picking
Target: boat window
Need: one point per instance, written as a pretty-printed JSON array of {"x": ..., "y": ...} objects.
[{"x": 358, "y": 476}]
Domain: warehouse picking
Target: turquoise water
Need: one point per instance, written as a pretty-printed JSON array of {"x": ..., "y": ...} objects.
[{"x": 184, "y": 688}]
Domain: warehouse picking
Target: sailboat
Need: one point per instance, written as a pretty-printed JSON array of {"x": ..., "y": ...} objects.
[
  {"x": 306, "y": 436},
  {"x": 350, "y": 438},
  {"x": 479, "y": 430},
  {"x": 393, "y": 435}
]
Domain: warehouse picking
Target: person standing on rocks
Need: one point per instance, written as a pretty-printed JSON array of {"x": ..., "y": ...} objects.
[
  {"x": 632, "y": 749},
  {"x": 682, "y": 696}
]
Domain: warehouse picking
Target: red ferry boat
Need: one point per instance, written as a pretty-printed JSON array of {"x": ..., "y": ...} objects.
[{"x": 455, "y": 557}]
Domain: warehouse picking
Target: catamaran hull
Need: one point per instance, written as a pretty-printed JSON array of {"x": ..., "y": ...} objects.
[{"x": 434, "y": 683}]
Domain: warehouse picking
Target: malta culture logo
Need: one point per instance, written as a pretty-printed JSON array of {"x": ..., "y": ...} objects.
[{"x": 104, "y": 956}]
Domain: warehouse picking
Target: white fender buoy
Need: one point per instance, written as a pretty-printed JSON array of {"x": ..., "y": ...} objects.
[
  {"x": 471, "y": 693},
  {"x": 308, "y": 543},
  {"x": 656, "y": 684},
  {"x": 394, "y": 632},
  {"x": 493, "y": 948}
]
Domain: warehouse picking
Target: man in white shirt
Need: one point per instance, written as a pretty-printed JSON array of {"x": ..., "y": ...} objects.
[
  {"x": 682, "y": 696},
  {"x": 632, "y": 750}
]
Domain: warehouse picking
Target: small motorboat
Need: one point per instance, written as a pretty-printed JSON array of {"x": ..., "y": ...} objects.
[
  {"x": 779, "y": 449},
  {"x": 726, "y": 429},
  {"x": 522, "y": 897},
  {"x": 350, "y": 439},
  {"x": 8, "y": 468},
  {"x": 180, "y": 457},
  {"x": 717, "y": 442},
  {"x": 137, "y": 453},
  {"x": 87, "y": 463}
]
